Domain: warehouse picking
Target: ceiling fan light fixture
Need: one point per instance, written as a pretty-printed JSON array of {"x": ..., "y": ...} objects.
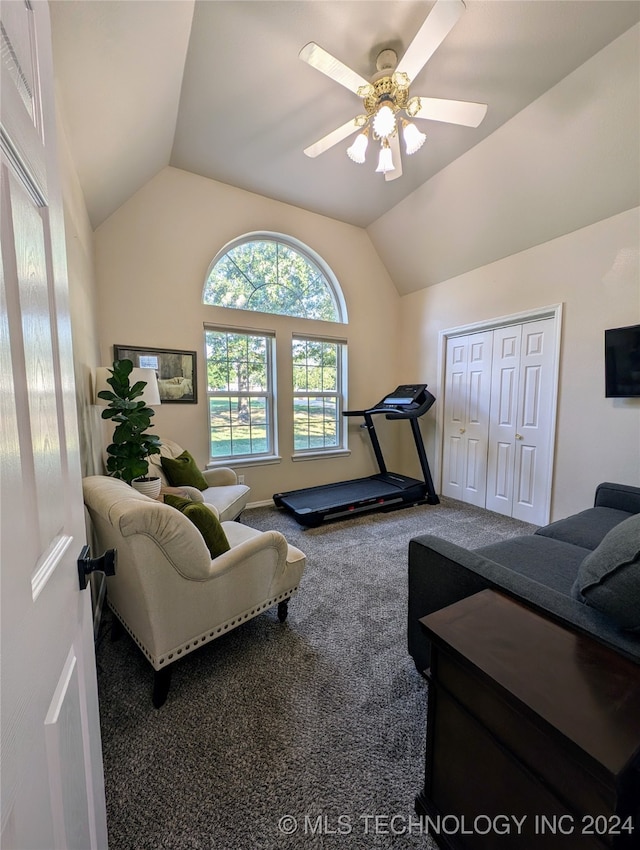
[
  {"x": 413, "y": 138},
  {"x": 386, "y": 99},
  {"x": 358, "y": 149},
  {"x": 384, "y": 121},
  {"x": 385, "y": 162}
]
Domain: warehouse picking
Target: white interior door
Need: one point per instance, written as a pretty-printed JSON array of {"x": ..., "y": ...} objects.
[
  {"x": 455, "y": 418},
  {"x": 467, "y": 407},
  {"x": 520, "y": 435},
  {"x": 52, "y": 782},
  {"x": 505, "y": 377},
  {"x": 534, "y": 437}
]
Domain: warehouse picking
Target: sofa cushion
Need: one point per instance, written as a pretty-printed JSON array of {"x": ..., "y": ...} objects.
[
  {"x": 587, "y": 528},
  {"x": 609, "y": 577},
  {"x": 553, "y": 563},
  {"x": 183, "y": 470},
  {"x": 205, "y": 521}
]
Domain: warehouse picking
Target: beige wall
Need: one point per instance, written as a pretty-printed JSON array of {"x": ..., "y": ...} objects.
[
  {"x": 594, "y": 273},
  {"x": 82, "y": 301},
  {"x": 152, "y": 256},
  {"x": 151, "y": 259},
  {"x": 567, "y": 160}
]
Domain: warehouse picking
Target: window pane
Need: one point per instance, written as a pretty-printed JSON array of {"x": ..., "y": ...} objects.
[
  {"x": 270, "y": 276},
  {"x": 238, "y": 368},
  {"x": 315, "y": 366},
  {"x": 249, "y": 425},
  {"x": 220, "y": 418},
  {"x": 315, "y": 422}
]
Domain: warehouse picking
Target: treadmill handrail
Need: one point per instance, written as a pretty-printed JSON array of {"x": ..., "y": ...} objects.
[{"x": 395, "y": 414}]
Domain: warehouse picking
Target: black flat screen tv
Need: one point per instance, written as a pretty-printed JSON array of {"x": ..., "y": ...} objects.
[{"x": 622, "y": 362}]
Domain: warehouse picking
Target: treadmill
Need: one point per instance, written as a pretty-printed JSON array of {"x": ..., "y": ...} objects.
[{"x": 383, "y": 491}]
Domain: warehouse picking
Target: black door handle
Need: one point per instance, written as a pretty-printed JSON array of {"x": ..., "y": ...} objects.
[{"x": 105, "y": 563}]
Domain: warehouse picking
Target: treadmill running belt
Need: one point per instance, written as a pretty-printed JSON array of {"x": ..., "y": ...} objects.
[{"x": 342, "y": 493}]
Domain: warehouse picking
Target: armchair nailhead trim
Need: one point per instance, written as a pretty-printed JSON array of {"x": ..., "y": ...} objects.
[{"x": 207, "y": 636}]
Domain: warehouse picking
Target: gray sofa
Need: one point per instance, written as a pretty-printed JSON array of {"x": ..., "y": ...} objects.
[{"x": 583, "y": 571}]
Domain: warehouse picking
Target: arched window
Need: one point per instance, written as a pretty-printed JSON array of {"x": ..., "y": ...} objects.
[{"x": 270, "y": 273}]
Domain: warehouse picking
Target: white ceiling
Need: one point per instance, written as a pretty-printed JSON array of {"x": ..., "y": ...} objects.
[{"x": 216, "y": 87}]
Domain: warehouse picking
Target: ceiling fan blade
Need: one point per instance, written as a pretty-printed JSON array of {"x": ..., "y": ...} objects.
[
  {"x": 318, "y": 57},
  {"x": 437, "y": 25},
  {"x": 394, "y": 144},
  {"x": 452, "y": 111},
  {"x": 333, "y": 138}
]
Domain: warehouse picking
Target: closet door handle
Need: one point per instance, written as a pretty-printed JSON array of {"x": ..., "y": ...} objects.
[
  {"x": 518, "y": 436},
  {"x": 462, "y": 430}
]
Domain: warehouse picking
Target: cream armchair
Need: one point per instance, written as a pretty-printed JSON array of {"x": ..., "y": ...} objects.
[
  {"x": 167, "y": 592},
  {"x": 227, "y": 496}
]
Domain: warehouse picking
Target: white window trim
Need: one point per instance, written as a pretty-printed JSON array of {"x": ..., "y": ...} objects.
[
  {"x": 320, "y": 454},
  {"x": 244, "y": 461}
]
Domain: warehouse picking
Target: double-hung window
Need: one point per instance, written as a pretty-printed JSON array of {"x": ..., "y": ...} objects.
[
  {"x": 317, "y": 394},
  {"x": 240, "y": 393},
  {"x": 274, "y": 275}
]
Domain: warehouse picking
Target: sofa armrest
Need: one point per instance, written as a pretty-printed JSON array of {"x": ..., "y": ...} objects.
[
  {"x": 222, "y": 476},
  {"x": 621, "y": 497},
  {"x": 442, "y": 573}
]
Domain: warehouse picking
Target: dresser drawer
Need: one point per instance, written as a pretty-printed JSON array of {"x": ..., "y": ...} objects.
[
  {"x": 562, "y": 767},
  {"x": 471, "y": 776}
]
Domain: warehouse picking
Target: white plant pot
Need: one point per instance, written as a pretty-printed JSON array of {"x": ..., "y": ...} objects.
[{"x": 147, "y": 486}]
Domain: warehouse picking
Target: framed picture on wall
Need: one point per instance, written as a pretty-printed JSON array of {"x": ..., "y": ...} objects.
[{"x": 176, "y": 370}]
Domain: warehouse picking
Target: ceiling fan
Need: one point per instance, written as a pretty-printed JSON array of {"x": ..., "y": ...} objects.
[{"x": 386, "y": 98}]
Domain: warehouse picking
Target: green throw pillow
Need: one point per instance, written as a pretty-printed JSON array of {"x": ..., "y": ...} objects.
[
  {"x": 183, "y": 471},
  {"x": 204, "y": 520}
]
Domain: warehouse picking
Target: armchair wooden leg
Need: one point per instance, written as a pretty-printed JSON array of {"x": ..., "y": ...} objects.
[
  {"x": 161, "y": 685},
  {"x": 117, "y": 629},
  {"x": 283, "y": 610}
]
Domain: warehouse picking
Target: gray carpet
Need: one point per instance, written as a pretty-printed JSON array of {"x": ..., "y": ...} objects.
[{"x": 303, "y": 735}]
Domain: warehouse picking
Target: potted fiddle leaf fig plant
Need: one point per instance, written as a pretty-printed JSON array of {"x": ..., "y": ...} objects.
[{"x": 131, "y": 444}]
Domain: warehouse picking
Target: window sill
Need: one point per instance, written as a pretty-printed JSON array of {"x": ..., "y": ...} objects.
[
  {"x": 320, "y": 455},
  {"x": 244, "y": 461}
]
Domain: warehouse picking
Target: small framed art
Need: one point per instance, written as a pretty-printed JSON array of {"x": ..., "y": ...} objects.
[{"x": 176, "y": 370}]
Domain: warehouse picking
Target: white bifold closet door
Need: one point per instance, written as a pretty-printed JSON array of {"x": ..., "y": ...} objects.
[
  {"x": 467, "y": 410},
  {"x": 520, "y": 437},
  {"x": 498, "y": 438}
]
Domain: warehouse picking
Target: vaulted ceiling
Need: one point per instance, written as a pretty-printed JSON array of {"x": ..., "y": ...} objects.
[{"x": 217, "y": 88}]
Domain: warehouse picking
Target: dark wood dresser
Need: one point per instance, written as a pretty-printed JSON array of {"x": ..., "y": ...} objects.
[{"x": 533, "y": 733}]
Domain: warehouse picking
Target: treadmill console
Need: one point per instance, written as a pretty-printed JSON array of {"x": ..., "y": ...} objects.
[
  {"x": 403, "y": 398},
  {"x": 408, "y": 401}
]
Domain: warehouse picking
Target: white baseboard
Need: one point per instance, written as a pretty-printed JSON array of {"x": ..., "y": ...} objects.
[{"x": 266, "y": 503}]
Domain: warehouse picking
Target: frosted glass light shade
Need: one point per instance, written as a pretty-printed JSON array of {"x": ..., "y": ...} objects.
[
  {"x": 413, "y": 138},
  {"x": 150, "y": 394},
  {"x": 385, "y": 163},
  {"x": 358, "y": 149},
  {"x": 384, "y": 122}
]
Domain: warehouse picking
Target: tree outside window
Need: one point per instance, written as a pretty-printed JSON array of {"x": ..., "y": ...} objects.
[
  {"x": 269, "y": 275},
  {"x": 316, "y": 394},
  {"x": 239, "y": 392}
]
